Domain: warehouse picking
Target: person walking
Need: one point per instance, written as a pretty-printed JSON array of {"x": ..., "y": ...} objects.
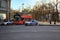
[
  {"x": 46, "y": 17},
  {"x": 50, "y": 18}
]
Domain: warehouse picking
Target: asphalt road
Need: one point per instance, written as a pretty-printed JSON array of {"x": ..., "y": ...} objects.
[{"x": 21, "y": 32}]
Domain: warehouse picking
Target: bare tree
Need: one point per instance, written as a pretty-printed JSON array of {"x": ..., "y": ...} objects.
[{"x": 56, "y": 17}]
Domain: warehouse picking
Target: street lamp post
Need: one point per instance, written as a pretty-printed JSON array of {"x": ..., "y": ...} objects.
[{"x": 22, "y": 7}]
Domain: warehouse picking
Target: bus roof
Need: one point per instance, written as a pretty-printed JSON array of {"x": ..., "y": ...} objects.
[{"x": 26, "y": 16}]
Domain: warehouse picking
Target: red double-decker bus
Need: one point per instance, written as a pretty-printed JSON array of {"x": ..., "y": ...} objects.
[{"x": 21, "y": 19}]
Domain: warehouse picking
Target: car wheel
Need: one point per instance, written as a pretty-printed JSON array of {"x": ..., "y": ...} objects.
[
  {"x": 25, "y": 24},
  {"x": 36, "y": 23},
  {"x": 8, "y": 24},
  {"x": 2, "y": 24}
]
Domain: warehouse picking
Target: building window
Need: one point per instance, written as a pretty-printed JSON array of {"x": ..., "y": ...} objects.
[{"x": 2, "y": 4}]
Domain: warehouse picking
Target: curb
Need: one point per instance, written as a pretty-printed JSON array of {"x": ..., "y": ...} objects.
[{"x": 48, "y": 25}]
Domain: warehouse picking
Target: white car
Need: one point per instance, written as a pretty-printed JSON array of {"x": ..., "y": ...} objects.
[
  {"x": 7, "y": 23},
  {"x": 32, "y": 22}
]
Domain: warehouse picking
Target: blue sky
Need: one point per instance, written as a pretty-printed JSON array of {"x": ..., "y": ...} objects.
[{"x": 16, "y": 4}]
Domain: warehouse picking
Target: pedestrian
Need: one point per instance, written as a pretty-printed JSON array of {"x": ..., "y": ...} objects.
[
  {"x": 54, "y": 19},
  {"x": 46, "y": 17},
  {"x": 50, "y": 18}
]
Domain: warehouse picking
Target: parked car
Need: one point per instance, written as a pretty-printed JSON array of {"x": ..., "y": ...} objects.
[
  {"x": 10, "y": 23},
  {"x": 31, "y": 22},
  {"x": 7, "y": 22}
]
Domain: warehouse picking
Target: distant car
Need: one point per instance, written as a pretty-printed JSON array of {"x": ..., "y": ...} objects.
[
  {"x": 31, "y": 22},
  {"x": 4, "y": 23},
  {"x": 7, "y": 22},
  {"x": 10, "y": 23},
  {"x": 21, "y": 22}
]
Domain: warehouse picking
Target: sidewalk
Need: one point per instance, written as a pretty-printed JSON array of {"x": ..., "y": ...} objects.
[{"x": 47, "y": 23}]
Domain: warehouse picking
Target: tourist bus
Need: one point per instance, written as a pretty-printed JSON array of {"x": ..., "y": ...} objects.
[{"x": 21, "y": 19}]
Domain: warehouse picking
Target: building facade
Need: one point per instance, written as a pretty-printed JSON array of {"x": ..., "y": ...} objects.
[{"x": 4, "y": 9}]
